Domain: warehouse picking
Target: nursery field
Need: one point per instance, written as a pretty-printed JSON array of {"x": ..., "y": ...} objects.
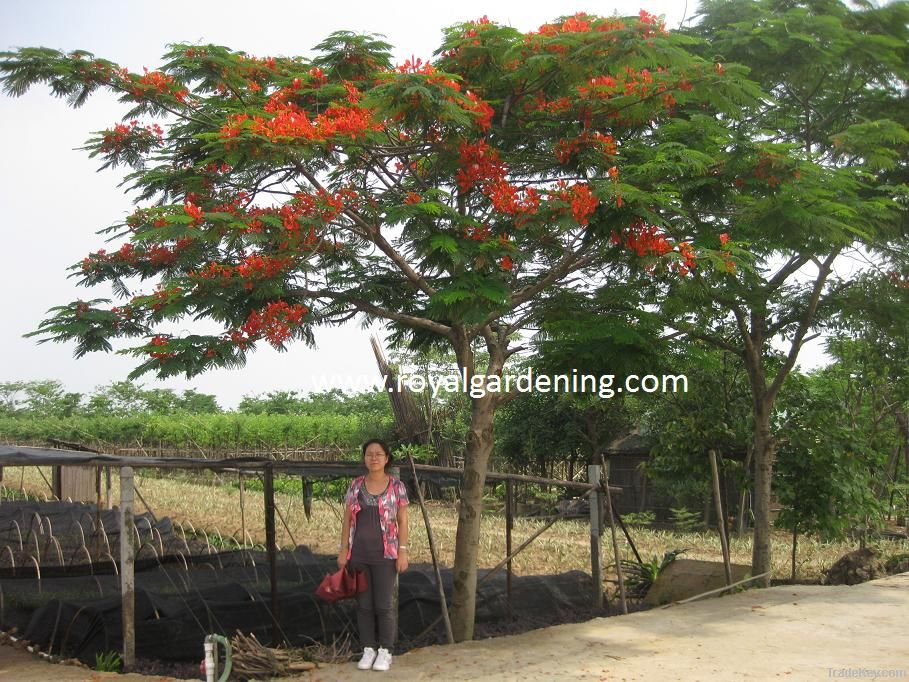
[{"x": 213, "y": 505}]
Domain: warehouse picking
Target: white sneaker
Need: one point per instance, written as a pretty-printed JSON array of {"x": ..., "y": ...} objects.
[
  {"x": 369, "y": 655},
  {"x": 383, "y": 660}
]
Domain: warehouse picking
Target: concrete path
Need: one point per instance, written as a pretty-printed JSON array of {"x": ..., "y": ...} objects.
[{"x": 805, "y": 632}]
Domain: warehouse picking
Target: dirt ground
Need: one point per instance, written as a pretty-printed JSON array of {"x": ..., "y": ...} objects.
[{"x": 805, "y": 632}]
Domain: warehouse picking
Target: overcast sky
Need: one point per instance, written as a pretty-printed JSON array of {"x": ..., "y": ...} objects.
[{"x": 54, "y": 200}]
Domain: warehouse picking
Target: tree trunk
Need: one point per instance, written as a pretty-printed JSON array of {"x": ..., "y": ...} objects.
[
  {"x": 764, "y": 452},
  {"x": 467, "y": 543},
  {"x": 476, "y": 462}
]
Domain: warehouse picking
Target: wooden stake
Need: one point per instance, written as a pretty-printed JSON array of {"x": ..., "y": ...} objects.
[
  {"x": 795, "y": 541},
  {"x": 443, "y": 604},
  {"x": 509, "y": 526},
  {"x": 271, "y": 549},
  {"x": 721, "y": 519},
  {"x": 615, "y": 544},
  {"x": 127, "y": 567},
  {"x": 596, "y": 570},
  {"x": 718, "y": 590},
  {"x": 242, "y": 508},
  {"x": 740, "y": 522},
  {"x": 618, "y": 517},
  {"x": 284, "y": 523}
]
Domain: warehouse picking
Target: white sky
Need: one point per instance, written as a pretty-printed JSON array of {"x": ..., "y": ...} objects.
[{"x": 54, "y": 200}]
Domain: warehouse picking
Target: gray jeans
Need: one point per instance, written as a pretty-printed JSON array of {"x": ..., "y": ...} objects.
[{"x": 377, "y": 604}]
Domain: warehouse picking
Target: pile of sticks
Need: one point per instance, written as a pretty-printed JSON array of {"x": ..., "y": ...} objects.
[{"x": 252, "y": 660}]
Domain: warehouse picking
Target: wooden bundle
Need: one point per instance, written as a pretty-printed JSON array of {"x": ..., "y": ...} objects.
[
  {"x": 409, "y": 419},
  {"x": 252, "y": 660}
]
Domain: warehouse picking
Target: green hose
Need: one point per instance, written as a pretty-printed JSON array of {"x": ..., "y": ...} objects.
[{"x": 227, "y": 661}]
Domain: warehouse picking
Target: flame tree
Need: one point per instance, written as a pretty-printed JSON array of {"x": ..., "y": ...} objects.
[{"x": 451, "y": 198}]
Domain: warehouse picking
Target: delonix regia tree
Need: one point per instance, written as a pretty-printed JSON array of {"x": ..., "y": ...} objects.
[{"x": 447, "y": 198}]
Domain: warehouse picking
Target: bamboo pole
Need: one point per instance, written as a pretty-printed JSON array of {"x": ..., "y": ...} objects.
[
  {"x": 242, "y": 508},
  {"x": 795, "y": 540},
  {"x": 740, "y": 522},
  {"x": 142, "y": 499},
  {"x": 509, "y": 526},
  {"x": 526, "y": 543},
  {"x": 127, "y": 568},
  {"x": 596, "y": 570},
  {"x": 721, "y": 519},
  {"x": 284, "y": 523},
  {"x": 618, "y": 517},
  {"x": 511, "y": 556},
  {"x": 615, "y": 544},
  {"x": 270, "y": 548},
  {"x": 443, "y": 604},
  {"x": 718, "y": 590}
]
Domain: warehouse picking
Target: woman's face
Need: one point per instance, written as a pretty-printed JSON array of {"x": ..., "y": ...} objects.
[{"x": 375, "y": 458}]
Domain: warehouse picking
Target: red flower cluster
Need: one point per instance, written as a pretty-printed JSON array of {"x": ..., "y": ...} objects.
[
  {"x": 320, "y": 205},
  {"x": 482, "y": 109},
  {"x": 193, "y": 212},
  {"x": 154, "y": 254},
  {"x": 116, "y": 139},
  {"x": 163, "y": 297},
  {"x": 565, "y": 149},
  {"x": 275, "y": 322},
  {"x": 478, "y": 164},
  {"x": 605, "y": 87},
  {"x": 650, "y": 240},
  {"x": 540, "y": 103},
  {"x": 256, "y": 267},
  {"x": 644, "y": 240},
  {"x": 579, "y": 23},
  {"x": 416, "y": 65},
  {"x": 478, "y": 233},
  {"x": 160, "y": 342},
  {"x": 160, "y": 83},
  {"x": 579, "y": 199},
  {"x": 770, "y": 168},
  {"x": 262, "y": 267},
  {"x": 650, "y": 24},
  {"x": 290, "y": 121}
]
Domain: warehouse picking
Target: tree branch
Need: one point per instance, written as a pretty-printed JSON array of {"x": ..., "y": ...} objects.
[{"x": 804, "y": 324}]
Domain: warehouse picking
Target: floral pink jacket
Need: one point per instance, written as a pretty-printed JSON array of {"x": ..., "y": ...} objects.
[{"x": 394, "y": 497}]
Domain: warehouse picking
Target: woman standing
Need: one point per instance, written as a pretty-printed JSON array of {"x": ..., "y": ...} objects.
[{"x": 374, "y": 540}]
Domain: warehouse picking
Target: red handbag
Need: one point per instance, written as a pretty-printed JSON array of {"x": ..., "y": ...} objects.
[{"x": 341, "y": 585}]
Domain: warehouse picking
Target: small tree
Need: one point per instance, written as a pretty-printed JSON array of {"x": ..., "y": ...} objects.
[
  {"x": 446, "y": 198},
  {"x": 827, "y": 466}
]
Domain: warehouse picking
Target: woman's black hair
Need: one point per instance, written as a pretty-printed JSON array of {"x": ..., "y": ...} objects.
[{"x": 383, "y": 445}]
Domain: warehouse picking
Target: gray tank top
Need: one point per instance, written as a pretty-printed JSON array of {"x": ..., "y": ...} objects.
[{"x": 367, "y": 543}]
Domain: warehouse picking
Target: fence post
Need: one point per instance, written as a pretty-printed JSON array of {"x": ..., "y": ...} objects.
[
  {"x": 127, "y": 567},
  {"x": 271, "y": 549},
  {"x": 596, "y": 570},
  {"x": 509, "y": 527}
]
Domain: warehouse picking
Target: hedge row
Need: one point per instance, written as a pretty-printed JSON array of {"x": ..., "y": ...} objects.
[{"x": 205, "y": 431}]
